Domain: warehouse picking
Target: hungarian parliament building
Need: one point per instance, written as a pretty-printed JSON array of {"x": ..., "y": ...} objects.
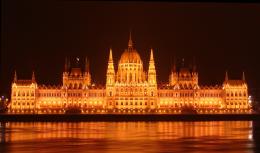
[{"x": 130, "y": 89}]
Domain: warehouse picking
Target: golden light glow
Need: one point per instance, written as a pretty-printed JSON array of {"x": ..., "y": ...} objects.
[
  {"x": 126, "y": 130},
  {"x": 130, "y": 89}
]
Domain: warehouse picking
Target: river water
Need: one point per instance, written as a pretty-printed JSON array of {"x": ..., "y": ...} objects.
[{"x": 143, "y": 137}]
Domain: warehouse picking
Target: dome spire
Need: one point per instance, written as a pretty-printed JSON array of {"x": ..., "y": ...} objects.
[{"x": 130, "y": 42}]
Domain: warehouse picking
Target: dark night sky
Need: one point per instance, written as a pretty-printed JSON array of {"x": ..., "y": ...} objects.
[{"x": 39, "y": 35}]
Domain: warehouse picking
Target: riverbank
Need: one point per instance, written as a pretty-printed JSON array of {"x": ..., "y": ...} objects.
[{"x": 125, "y": 117}]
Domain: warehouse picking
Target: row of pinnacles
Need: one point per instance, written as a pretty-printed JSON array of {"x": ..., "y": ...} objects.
[{"x": 130, "y": 89}]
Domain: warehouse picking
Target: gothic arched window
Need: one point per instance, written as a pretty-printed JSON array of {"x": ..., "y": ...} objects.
[
  {"x": 80, "y": 86},
  {"x": 75, "y": 86}
]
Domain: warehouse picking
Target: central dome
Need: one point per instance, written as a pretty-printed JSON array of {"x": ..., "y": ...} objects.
[
  {"x": 130, "y": 66},
  {"x": 130, "y": 56}
]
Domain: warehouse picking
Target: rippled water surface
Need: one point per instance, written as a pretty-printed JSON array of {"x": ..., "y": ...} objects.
[{"x": 80, "y": 137}]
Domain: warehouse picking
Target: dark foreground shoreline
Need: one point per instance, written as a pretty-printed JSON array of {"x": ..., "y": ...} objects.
[{"x": 126, "y": 117}]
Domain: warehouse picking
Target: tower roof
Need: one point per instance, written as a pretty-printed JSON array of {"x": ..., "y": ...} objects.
[
  {"x": 130, "y": 55},
  {"x": 151, "y": 55},
  {"x": 130, "y": 42},
  {"x": 110, "y": 55}
]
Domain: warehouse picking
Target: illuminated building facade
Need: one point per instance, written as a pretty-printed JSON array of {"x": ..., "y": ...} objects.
[{"x": 130, "y": 89}]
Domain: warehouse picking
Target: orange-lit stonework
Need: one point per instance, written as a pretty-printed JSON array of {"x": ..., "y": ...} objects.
[{"x": 130, "y": 89}]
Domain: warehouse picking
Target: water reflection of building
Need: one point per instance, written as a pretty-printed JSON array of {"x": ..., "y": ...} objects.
[
  {"x": 18, "y": 131},
  {"x": 129, "y": 136},
  {"x": 129, "y": 89}
]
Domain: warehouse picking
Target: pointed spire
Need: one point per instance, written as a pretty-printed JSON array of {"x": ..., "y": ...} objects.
[
  {"x": 86, "y": 64},
  {"x": 110, "y": 77},
  {"x": 226, "y": 76},
  {"x": 243, "y": 76},
  {"x": 15, "y": 76},
  {"x": 151, "y": 55},
  {"x": 110, "y": 55},
  {"x": 33, "y": 77},
  {"x": 130, "y": 42},
  {"x": 151, "y": 70}
]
